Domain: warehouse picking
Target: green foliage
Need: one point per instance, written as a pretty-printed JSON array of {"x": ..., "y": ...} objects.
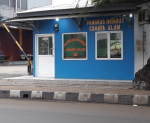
[
  {"x": 105, "y": 3},
  {"x": 108, "y": 2}
]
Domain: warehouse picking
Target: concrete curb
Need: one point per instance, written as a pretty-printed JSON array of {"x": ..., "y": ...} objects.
[{"x": 81, "y": 97}]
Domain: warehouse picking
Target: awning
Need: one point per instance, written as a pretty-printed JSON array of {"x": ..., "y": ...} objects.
[{"x": 74, "y": 16}]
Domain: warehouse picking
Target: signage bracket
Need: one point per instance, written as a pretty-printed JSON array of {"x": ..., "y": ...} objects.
[
  {"x": 78, "y": 23},
  {"x": 128, "y": 19}
]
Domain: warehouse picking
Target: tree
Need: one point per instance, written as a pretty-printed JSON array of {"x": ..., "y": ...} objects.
[
  {"x": 113, "y": 2},
  {"x": 98, "y": 3}
]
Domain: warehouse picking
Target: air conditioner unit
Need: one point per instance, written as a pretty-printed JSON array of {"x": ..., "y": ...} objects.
[{"x": 144, "y": 16}]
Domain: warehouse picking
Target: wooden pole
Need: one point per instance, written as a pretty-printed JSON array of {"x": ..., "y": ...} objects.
[{"x": 20, "y": 37}]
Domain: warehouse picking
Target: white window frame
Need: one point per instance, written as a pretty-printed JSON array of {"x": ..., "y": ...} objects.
[
  {"x": 86, "y": 46},
  {"x": 108, "y": 45}
]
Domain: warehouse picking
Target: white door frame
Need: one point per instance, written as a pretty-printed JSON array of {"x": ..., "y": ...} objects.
[{"x": 36, "y": 51}]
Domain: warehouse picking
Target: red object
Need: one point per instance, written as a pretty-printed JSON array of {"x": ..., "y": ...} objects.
[
  {"x": 115, "y": 44},
  {"x": 9, "y": 47},
  {"x": 75, "y": 54},
  {"x": 115, "y": 50}
]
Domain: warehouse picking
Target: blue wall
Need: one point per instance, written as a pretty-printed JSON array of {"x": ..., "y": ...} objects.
[{"x": 90, "y": 68}]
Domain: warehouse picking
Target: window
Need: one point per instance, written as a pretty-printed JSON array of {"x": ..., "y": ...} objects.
[
  {"x": 24, "y": 4},
  {"x": 4, "y": 2},
  {"x": 74, "y": 46},
  {"x": 109, "y": 45},
  {"x": 102, "y": 39},
  {"x": 18, "y": 4},
  {"x": 45, "y": 46}
]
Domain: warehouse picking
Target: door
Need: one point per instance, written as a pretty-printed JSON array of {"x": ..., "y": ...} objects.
[{"x": 45, "y": 56}]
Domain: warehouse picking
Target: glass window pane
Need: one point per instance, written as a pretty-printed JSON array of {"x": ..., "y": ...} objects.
[
  {"x": 115, "y": 45},
  {"x": 24, "y": 4},
  {"x": 43, "y": 43},
  {"x": 12, "y": 3},
  {"x": 102, "y": 45},
  {"x": 18, "y": 3},
  {"x": 74, "y": 46},
  {"x": 4, "y": 2}
]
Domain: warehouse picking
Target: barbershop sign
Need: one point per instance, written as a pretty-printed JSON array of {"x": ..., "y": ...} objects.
[{"x": 102, "y": 24}]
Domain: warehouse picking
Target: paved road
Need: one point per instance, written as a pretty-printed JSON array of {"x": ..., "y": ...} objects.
[{"x": 26, "y": 111}]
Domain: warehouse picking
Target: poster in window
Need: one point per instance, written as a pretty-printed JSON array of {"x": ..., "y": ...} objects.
[
  {"x": 74, "y": 46},
  {"x": 115, "y": 45}
]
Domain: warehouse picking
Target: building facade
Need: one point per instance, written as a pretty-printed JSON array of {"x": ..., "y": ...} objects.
[
  {"x": 102, "y": 49},
  {"x": 142, "y": 37},
  {"x": 99, "y": 46}
]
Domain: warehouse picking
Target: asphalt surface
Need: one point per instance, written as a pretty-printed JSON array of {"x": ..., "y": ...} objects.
[{"x": 27, "y": 111}]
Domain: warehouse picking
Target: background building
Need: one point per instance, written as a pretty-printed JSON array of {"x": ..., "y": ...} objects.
[
  {"x": 23, "y": 33},
  {"x": 142, "y": 37}
]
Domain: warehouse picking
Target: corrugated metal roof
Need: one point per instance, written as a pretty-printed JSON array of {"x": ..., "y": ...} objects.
[
  {"x": 74, "y": 16},
  {"x": 81, "y": 4}
]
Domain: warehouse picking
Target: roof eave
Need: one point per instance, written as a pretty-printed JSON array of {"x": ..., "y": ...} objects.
[
  {"x": 117, "y": 13},
  {"x": 77, "y": 11}
]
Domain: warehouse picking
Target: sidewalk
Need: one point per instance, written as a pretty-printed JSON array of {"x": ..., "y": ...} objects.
[
  {"x": 69, "y": 85},
  {"x": 101, "y": 91}
]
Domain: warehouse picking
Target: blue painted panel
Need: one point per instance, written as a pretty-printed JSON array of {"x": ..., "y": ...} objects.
[
  {"x": 3, "y": 18},
  {"x": 90, "y": 68}
]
